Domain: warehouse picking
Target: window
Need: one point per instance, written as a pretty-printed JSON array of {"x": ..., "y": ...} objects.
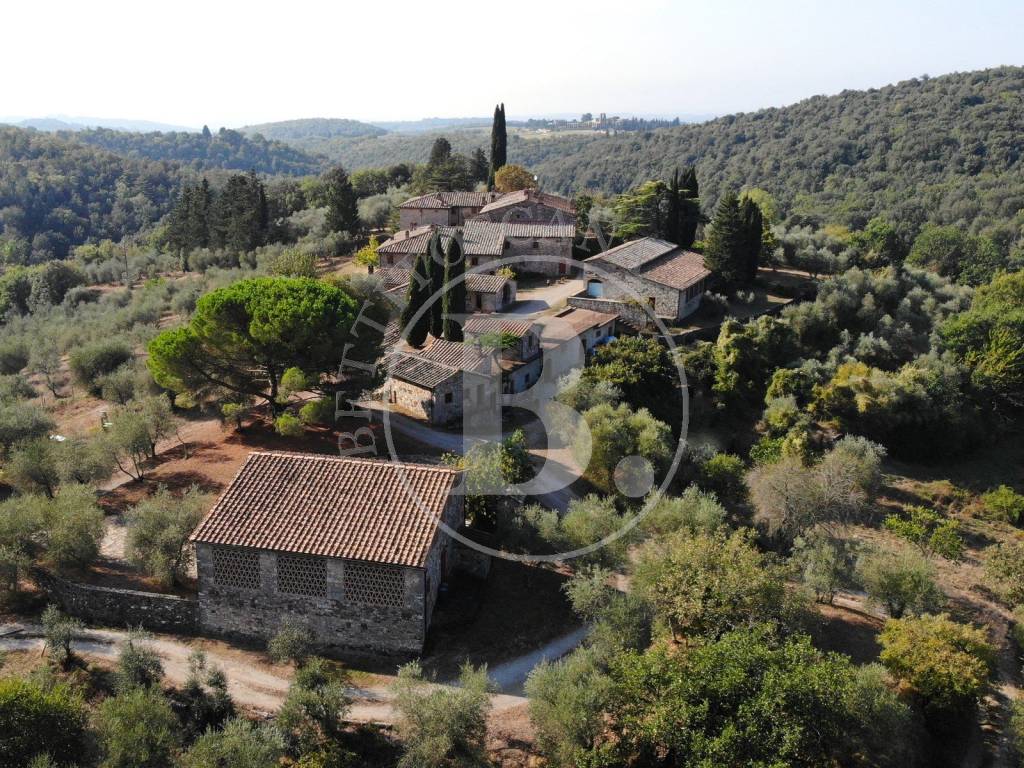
[
  {"x": 301, "y": 575},
  {"x": 535, "y": 245},
  {"x": 236, "y": 567},
  {"x": 374, "y": 584},
  {"x": 447, "y": 397},
  {"x": 474, "y": 261}
]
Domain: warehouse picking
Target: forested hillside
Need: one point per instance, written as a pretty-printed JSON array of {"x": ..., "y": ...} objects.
[
  {"x": 312, "y": 129},
  {"x": 55, "y": 194},
  {"x": 947, "y": 149},
  {"x": 225, "y": 149}
]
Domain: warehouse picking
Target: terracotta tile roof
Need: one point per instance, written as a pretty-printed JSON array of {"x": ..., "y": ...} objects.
[
  {"x": 476, "y": 240},
  {"x": 483, "y": 238},
  {"x": 331, "y": 506},
  {"x": 449, "y": 200},
  {"x": 396, "y": 277},
  {"x": 635, "y": 253},
  {"x": 536, "y": 230},
  {"x": 679, "y": 270},
  {"x": 527, "y": 197},
  {"x": 410, "y": 367},
  {"x": 480, "y": 324},
  {"x": 657, "y": 260},
  {"x": 464, "y": 357}
]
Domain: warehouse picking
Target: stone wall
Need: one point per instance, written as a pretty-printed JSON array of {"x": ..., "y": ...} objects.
[
  {"x": 665, "y": 301},
  {"x": 629, "y": 312},
  {"x": 333, "y": 623},
  {"x": 432, "y": 406},
  {"x": 522, "y": 249},
  {"x": 410, "y": 218},
  {"x": 120, "y": 607}
]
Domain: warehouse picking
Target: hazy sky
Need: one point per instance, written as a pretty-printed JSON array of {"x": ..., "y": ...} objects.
[{"x": 232, "y": 63}]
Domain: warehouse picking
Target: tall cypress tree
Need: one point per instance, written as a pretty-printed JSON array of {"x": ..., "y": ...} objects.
[
  {"x": 454, "y": 302},
  {"x": 436, "y": 256},
  {"x": 340, "y": 200},
  {"x": 499, "y": 143},
  {"x": 674, "y": 215},
  {"x": 415, "y": 332},
  {"x": 753, "y": 233},
  {"x": 724, "y": 244},
  {"x": 690, "y": 214}
]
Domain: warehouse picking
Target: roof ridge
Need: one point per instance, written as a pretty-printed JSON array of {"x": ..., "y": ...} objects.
[{"x": 351, "y": 459}]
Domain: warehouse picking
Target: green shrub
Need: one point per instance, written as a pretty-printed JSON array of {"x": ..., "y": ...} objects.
[
  {"x": 14, "y": 355},
  {"x": 38, "y": 721},
  {"x": 1004, "y": 567},
  {"x": 928, "y": 530},
  {"x": 945, "y": 662},
  {"x": 287, "y": 425},
  {"x": 90, "y": 362},
  {"x": 59, "y": 631},
  {"x": 900, "y": 582},
  {"x": 137, "y": 729},
  {"x": 290, "y": 643},
  {"x": 1004, "y": 504},
  {"x": 318, "y": 411},
  {"x": 723, "y": 474}
]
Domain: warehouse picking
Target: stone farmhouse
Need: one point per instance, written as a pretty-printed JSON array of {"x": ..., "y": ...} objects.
[
  {"x": 348, "y": 548},
  {"x": 665, "y": 277},
  {"x": 592, "y": 328},
  {"x": 530, "y": 206},
  {"x": 484, "y": 293},
  {"x": 443, "y": 208},
  {"x": 433, "y": 383},
  {"x": 521, "y": 360},
  {"x": 519, "y": 225}
]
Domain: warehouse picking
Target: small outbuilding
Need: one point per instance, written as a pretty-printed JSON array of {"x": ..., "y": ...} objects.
[{"x": 349, "y": 548}]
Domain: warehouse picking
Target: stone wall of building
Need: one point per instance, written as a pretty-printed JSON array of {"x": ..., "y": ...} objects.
[
  {"x": 120, "y": 607},
  {"x": 629, "y": 312},
  {"x": 522, "y": 249},
  {"x": 336, "y": 621},
  {"x": 410, "y": 218},
  {"x": 624, "y": 285},
  {"x": 440, "y": 406},
  {"x": 334, "y": 624}
]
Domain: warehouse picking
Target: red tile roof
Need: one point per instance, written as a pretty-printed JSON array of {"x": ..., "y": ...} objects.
[
  {"x": 357, "y": 509},
  {"x": 525, "y": 197},
  {"x": 449, "y": 200},
  {"x": 657, "y": 260},
  {"x": 479, "y": 324}
]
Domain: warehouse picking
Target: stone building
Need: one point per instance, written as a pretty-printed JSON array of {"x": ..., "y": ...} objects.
[
  {"x": 442, "y": 208},
  {"x": 592, "y": 328},
  {"x": 530, "y": 206},
  {"x": 521, "y": 360},
  {"x": 348, "y": 548},
  {"x": 523, "y": 243},
  {"x": 484, "y": 293},
  {"x": 437, "y": 383},
  {"x": 479, "y": 246},
  {"x": 661, "y": 275}
]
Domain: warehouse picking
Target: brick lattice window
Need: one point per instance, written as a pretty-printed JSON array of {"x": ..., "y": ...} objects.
[
  {"x": 234, "y": 567},
  {"x": 374, "y": 584},
  {"x": 301, "y": 575}
]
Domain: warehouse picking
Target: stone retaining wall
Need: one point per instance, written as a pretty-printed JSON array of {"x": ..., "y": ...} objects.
[{"x": 120, "y": 607}]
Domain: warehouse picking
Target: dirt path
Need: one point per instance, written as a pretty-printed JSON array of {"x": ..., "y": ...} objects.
[{"x": 252, "y": 683}]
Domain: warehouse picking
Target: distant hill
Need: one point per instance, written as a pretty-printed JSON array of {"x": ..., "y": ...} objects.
[
  {"x": 946, "y": 149},
  {"x": 430, "y": 124},
  {"x": 226, "y": 149},
  {"x": 65, "y": 123},
  {"x": 56, "y": 193},
  {"x": 312, "y": 129}
]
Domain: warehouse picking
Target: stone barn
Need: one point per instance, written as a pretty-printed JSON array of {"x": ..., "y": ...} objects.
[
  {"x": 666, "y": 278},
  {"x": 348, "y": 548}
]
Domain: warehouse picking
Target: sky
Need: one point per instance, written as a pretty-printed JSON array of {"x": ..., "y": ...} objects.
[{"x": 227, "y": 63}]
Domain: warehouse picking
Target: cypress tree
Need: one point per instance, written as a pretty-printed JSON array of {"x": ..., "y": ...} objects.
[
  {"x": 454, "y": 302},
  {"x": 340, "y": 200},
  {"x": 690, "y": 215},
  {"x": 499, "y": 143},
  {"x": 674, "y": 216},
  {"x": 723, "y": 251},
  {"x": 753, "y": 231},
  {"x": 436, "y": 258},
  {"x": 419, "y": 290}
]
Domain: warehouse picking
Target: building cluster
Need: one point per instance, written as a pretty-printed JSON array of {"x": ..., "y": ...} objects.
[{"x": 352, "y": 549}]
